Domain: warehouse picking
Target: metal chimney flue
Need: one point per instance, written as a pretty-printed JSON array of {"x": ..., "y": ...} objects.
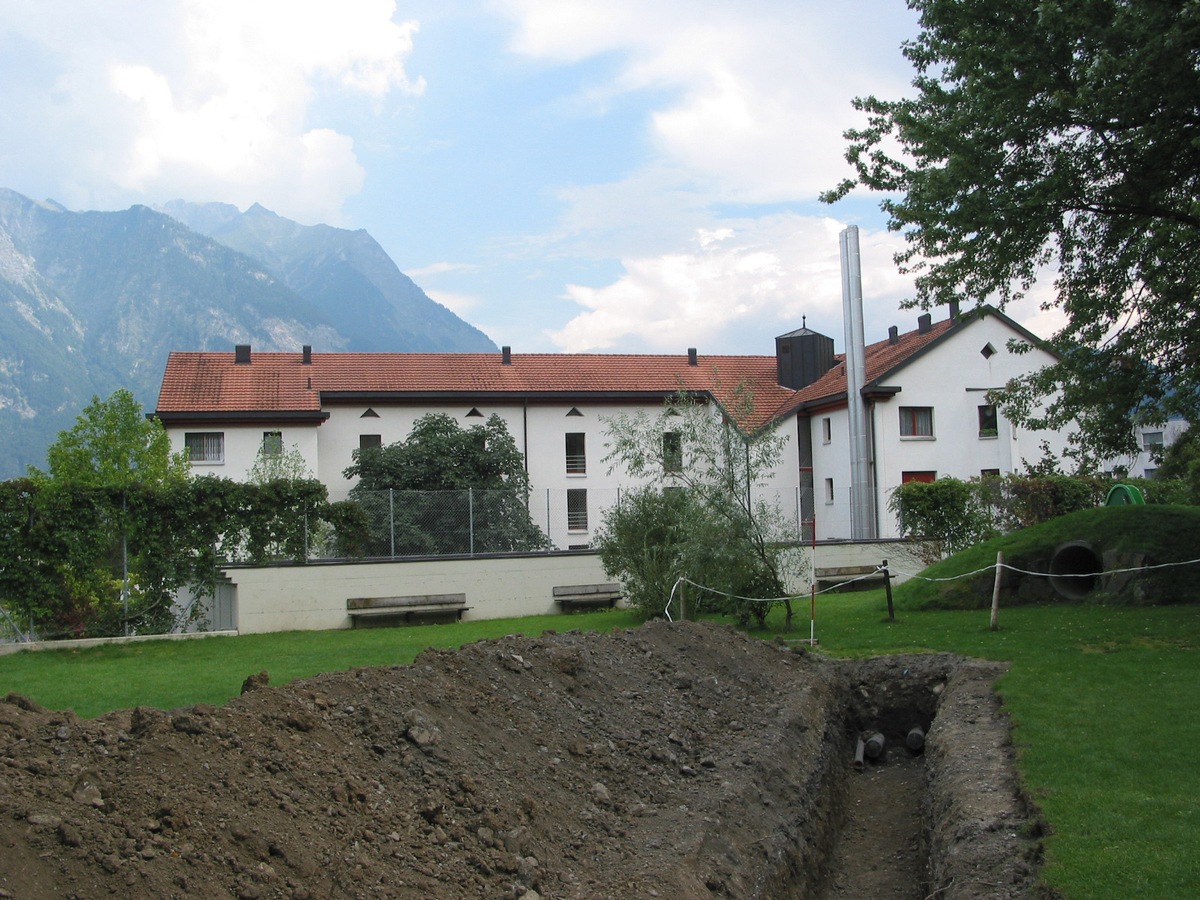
[
  {"x": 862, "y": 496},
  {"x": 241, "y": 354},
  {"x": 506, "y": 356},
  {"x": 693, "y": 358},
  {"x": 306, "y": 355}
]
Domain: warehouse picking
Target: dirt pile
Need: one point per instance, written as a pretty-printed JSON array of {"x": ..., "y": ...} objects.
[{"x": 672, "y": 761}]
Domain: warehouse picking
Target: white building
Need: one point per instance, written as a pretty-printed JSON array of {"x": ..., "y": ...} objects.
[
  {"x": 925, "y": 393},
  {"x": 1152, "y": 441}
]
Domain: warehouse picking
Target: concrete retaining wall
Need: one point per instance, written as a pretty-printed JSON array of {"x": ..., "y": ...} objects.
[
  {"x": 313, "y": 597},
  {"x": 904, "y": 557}
]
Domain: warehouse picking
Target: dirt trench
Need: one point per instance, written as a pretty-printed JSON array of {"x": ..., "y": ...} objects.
[{"x": 673, "y": 760}]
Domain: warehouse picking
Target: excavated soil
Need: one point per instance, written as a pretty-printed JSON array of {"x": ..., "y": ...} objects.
[{"x": 674, "y": 760}]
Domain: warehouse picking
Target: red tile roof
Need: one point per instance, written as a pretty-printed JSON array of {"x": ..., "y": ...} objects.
[
  {"x": 882, "y": 358},
  {"x": 212, "y": 384}
]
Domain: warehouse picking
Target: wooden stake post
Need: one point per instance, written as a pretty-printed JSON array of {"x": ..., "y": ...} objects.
[
  {"x": 996, "y": 591},
  {"x": 887, "y": 584}
]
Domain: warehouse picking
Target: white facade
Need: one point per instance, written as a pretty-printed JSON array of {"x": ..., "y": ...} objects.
[
  {"x": 540, "y": 432},
  {"x": 927, "y": 412},
  {"x": 942, "y": 392},
  {"x": 1152, "y": 440}
]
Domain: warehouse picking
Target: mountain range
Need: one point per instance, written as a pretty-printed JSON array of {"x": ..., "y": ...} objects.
[{"x": 94, "y": 301}]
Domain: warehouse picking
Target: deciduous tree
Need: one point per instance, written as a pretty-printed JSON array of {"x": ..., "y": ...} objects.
[
  {"x": 729, "y": 534},
  {"x": 1056, "y": 140},
  {"x": 113, "y": 445},
  {"x": 464, "y": 488}
]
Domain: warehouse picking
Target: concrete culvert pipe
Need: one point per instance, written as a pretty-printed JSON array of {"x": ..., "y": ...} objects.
[{"x": 1075, "y": 570}]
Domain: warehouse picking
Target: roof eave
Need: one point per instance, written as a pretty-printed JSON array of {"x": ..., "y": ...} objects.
[{"x": 242, "y": 417}]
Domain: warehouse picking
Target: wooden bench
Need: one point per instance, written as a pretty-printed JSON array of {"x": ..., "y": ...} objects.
[
  {"x": 368, "y": 611},
  {"x": 587, "y": 596},
  {"x": 849, "y": 578}
]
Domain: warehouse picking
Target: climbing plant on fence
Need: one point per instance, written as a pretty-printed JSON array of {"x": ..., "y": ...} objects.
[{"x": 83, "y": 561}]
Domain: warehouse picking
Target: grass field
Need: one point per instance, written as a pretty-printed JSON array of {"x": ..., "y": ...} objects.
[{"x": 1104, "y": 702}]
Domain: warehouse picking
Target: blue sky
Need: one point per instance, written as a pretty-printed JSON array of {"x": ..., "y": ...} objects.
[{"x": 605, "y": 175}]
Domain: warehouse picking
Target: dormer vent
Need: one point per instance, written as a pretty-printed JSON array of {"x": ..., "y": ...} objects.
[{"x": 802, "y": 357}]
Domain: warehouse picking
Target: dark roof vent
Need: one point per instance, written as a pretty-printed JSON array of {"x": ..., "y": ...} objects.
[
  {"x": 693, "y": 359},
  {"x": 924, "y": 323},
  {"x": 241, "y": 354},
  {"x": 893, "y": 335},
  {"x": 954, "y": 311},
  {"x": 802, "y": 357},
  {"x": 506, "y": 356},
  {"x": 306, "y": 355}
]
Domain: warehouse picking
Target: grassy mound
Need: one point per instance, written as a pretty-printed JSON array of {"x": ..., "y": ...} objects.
[{"x": 1074, "y": 558}]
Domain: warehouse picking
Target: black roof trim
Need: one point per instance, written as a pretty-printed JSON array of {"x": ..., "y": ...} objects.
[
  {"x": 476, "y": 397},
  {"x": 242, "y": 416}
]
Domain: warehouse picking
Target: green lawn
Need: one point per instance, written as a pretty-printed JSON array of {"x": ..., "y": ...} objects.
[{"x": 1104, "y": 700}]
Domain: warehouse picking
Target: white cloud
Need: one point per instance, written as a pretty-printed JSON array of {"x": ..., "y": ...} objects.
[
  {"x": 738, "y": 286},
  {"x": 440, "y": 268},
  {"x": 758, "y": 93},
  {"x": 213, "y": 98},
  {"x": 753, "y": 277},
  {"x": 459, "y": 304}
]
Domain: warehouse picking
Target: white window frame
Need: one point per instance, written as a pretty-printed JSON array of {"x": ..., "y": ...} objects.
[{"x": 205, "y": 448}]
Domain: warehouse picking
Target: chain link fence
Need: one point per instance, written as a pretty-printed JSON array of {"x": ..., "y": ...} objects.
[{"x": 399, "y": 524}]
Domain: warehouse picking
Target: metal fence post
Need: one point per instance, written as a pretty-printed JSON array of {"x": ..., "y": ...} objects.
[
  {"x": 471, "y": 521},
  {"x": 392, "y": 519}
]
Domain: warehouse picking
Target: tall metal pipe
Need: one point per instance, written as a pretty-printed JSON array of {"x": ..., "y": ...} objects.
[{"x": 862, "y": 494}]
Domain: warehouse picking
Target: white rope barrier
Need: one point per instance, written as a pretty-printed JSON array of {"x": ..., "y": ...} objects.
[
  {"x": 894, "y": 573},
  {"x": 992, "y": 568}
]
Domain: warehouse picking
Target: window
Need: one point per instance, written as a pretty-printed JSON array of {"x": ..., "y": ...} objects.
[
  {"x": 1151, "y": 473},
  {"x": 672, "y": 450},
  {"x": 989, "y": 422},
  {"x": 370, "y": 441},
  {"x": 205, "y": 446},
  {"x": 925, "y": 477},
  {"x": 576, "y": 453},
  {"x": 1152, "y": 440},
  {"x": 272, "y": 444},
  {"x": 827, "y": 430},
  {"x": 989, "y": 473},
  {"x": 577, "y": 510},
  {"x": 828, "y": 490},
  {"x": 916, "y": 421}
]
